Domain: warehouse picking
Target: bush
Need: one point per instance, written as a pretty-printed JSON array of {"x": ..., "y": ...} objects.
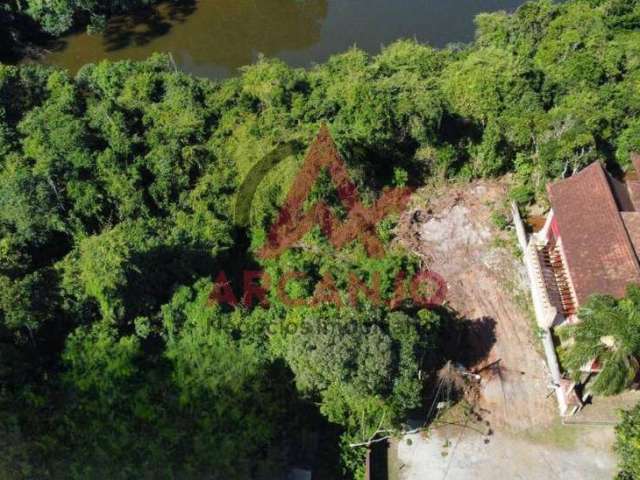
[{"x": 627, "y": 444}]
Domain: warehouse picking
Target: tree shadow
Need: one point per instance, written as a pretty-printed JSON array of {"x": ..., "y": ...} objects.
[
  {"x": 158, "y": 272},
  {"x": 466, "y": 341},
  {"x": 379, "y": 461},
  {"x": 464, "y": 344},
  {"x": 142, "y": 26},
  {"x": 21, "y": 38},
  {"x": 305, "y": 440},
  {"x": 476, "y": 341},
  {"x": 458, "y": 131}
]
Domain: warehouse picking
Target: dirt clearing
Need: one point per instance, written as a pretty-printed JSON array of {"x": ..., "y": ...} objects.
[
  {"x": 514, "y": 431},
  {"x": 452, "y": 230}
]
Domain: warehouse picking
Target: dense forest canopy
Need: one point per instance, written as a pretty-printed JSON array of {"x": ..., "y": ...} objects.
[{"x": 117, "y": 192}]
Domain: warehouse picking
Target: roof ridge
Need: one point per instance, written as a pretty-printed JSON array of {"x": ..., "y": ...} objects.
[
  {"x": 631, "y": 252},
  {"x": 599, "y": 251}
]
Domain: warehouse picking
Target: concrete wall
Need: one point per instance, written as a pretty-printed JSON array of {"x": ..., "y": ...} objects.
[
  {"x": 517, "y": 222},
  {"x": 546, "y": 314}
]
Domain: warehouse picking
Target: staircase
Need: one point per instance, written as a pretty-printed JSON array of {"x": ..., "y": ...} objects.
[{"x": 556, "y": 279}]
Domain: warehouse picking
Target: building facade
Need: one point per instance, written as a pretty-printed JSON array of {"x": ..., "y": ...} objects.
[{"x": 590, "y": 243}]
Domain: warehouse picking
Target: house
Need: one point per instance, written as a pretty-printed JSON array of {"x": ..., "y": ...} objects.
[{"x": 590, "y": 243}]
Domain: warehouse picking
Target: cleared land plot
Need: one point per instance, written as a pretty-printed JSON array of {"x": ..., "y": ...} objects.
[
  {"x": 519, "y": 434},
  {"x": 454, "y": 234}
]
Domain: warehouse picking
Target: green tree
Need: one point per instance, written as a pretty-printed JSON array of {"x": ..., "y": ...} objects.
[
  {"x": 117, "y": 190},
  {"x": 627, "y": 444},
  {"x": 609, "y": 331},
  {"x": 363, "y": 365},
  {"x": 58, "y": 16}
]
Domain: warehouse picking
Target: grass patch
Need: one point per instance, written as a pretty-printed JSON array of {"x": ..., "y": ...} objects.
[{"x": 556, "y": 435}]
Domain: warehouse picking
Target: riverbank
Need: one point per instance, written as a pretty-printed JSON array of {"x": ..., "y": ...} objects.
[
  {"x": 20, "y": 38},
  {"x": 215, "y": 39}
]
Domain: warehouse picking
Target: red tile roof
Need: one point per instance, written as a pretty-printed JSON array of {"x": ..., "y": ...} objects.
[
  {"x": 631, "y": 222},
  {"x": 635, "y": 159},
  {"x": 633, "y": 181},
  {"x": 634, "y": 193},
  {"x": 599, "y": 254},
  {"x": 622, "y": 195}
]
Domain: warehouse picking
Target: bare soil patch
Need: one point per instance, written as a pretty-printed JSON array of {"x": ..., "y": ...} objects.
[{"x": 451, "y": 229}]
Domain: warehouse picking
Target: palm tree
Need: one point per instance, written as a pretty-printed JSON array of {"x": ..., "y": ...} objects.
[{"x": 609, "y": 331}]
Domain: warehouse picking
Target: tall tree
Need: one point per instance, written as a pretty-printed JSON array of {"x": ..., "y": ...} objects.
[{"x": 609, "y": 332}]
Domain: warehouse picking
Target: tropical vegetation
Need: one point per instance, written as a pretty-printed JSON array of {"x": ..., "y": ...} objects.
[
  {"x": 57, "y": 17},
  {"x": 609, "y": 333},
  {"x": 117, "y": 197},
  {"x": 628, "y": 444}
]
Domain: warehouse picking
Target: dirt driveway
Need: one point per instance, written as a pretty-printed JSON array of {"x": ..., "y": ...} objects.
[{"x": 453, "y": 232}]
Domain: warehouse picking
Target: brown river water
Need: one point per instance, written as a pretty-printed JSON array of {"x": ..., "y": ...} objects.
[{"x": 213, "y": 38}]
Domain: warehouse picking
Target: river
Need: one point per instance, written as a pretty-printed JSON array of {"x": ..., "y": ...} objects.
[{"x": 213, "y": 38}]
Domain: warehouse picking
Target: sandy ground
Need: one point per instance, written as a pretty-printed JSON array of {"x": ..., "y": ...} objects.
[
  {"x": 462, "y": 454},
  {"x": 453, "y": 233}
]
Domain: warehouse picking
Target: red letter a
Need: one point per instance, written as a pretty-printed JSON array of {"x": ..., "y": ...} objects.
[{"x": 222, "y": 291}]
